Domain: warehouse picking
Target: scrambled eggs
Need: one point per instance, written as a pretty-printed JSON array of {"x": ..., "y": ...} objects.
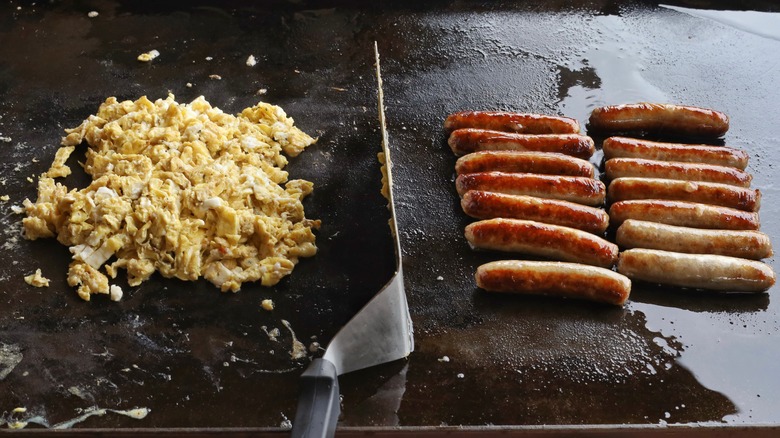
[{"x": 182, "y": 189}]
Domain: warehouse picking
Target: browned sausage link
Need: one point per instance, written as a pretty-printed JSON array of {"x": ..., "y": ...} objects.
[
  {"x": 582, "y": 190},
  {"x": 659, "y": 118},
  {"x": 637, "y": 167},
  {"x": 524, "y": 162},
  {"x": 487, "y": 205},
  {"x": 746, "y": 244},
  {"x": 741, "y": 198},
  {"x": 468, "y": 140},
  {"x": 512, "y": 122},
  {"x": 563, "y": 279},
  {"x": 701, "y": 271},
  {"x": 624, "y": 147},
  {"x": 544, "y": 240},
  {"x": 684, "y": 214}
]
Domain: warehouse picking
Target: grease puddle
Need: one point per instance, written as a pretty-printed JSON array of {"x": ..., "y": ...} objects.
[
  {"x": 765, "y": 24},
  {"x": 618, "y": 59},
  {"x": 706, "y": 337}
]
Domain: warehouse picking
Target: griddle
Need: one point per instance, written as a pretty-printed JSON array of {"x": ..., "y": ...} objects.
[{"x": 670, "y": 361}]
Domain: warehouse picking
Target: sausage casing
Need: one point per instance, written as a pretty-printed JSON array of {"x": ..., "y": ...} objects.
[
  {"x": 624, "y": 147},
  {"x": 512, "y": 122},
  {"x": 582, "y": 190},
  {"x": 544, "y": 240},
  {"x": 700, "y": 271},
  {"x": 640, "y": 168},
  {"x": 741, "y": 198},
  {"x": 487, "y": 205},
  {"x": 684, "y": 214},
  {"x": 564, "y": 279},
  {"x": 524, "y": 162},
  {"x": 745, "y": 244},
  {"x": 659, "y": 118},
  {"x": 468, "y": 140}
]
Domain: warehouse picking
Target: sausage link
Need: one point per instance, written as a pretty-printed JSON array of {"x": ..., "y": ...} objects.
[
  {"x": 544, "y": 240},
  {"x": 622, "y": 189},
  {"x": 562, "y": 279},
  {"x": 700, "y": 271},
  {"x": 659, "y": 118},
  {"x": 637, "y": 167},
  {"x": 582, "y": 190},
  {"x": 512, "y": 122},
  {"x": 745, "y": 244},
  {"x": 684, "y": 214},
  {"x": 488, "y": 205},
  {"x": 524, "y": 162},
  {"x": 624, "y": 147},
  {"x": 468, "y": 140}
]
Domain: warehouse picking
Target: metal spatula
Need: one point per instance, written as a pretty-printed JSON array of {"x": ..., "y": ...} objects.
[{"x": 380, "y": 332}]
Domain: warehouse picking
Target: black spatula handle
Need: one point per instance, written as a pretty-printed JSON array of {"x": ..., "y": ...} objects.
[{"x": 318, "y": 403}]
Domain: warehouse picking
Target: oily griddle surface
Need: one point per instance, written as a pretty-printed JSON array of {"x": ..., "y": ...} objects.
[{"x": 200, "y": 358}]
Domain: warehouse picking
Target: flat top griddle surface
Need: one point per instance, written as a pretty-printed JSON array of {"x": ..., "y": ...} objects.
[{"x": 200, "y": 358}]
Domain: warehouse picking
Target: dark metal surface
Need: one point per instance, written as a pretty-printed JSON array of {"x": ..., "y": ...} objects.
[
  {"x": 194, "y": 356},
  {"x": 198, "y": 358}
]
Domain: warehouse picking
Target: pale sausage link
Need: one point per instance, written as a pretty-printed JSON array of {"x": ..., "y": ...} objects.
[
  {"x": 700, "y": 271},
  {"x": 686, "y": 214},
  {"x": 746, "y": 244}
]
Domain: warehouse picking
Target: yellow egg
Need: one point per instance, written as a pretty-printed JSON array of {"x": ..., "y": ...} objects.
[{"x": 185, "y": 190}]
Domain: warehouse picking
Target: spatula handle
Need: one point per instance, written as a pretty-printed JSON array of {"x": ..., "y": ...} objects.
[{"x": 318, "y": 403}]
